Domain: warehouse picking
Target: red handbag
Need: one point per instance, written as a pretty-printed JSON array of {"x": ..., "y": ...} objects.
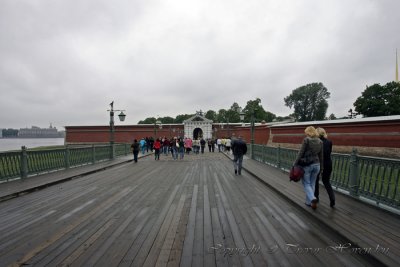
[{"x": 296, "y": 173}]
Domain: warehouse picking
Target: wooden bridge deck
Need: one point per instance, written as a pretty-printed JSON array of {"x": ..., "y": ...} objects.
[{"x": 190, "y": 212}]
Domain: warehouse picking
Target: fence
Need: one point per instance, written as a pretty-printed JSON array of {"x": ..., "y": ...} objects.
[
  {"x": 24, "y": 163},
  {"x": 374, "y": 178}
]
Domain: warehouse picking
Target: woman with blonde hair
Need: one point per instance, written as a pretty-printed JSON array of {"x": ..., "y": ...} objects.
[
  {"x": 327, "y": 164},
  {"x": 310, "y": 157}
]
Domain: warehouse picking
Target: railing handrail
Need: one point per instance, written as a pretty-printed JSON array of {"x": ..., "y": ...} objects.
[
  {"x": 374, "y": 178},
  {"x": 27, "y": 162}
]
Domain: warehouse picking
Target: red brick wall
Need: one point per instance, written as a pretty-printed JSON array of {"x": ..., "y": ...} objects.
[
  {"x": 123, "y": 134},
  {"x": 345, "y": 134},
  {"x": 371, "y": 134}
]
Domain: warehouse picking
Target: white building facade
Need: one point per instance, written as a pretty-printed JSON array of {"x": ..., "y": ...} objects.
[{"x": 198, "y": 127}]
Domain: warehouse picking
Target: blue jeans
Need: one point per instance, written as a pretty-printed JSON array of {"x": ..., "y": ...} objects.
[
  {"x": 165, "y": 149},
  {"x": 174, "y": 151},
  {"x": 309, "y": 178},
  {"x": 181, "y": 152},
  {"x": 237, "y": 162}
]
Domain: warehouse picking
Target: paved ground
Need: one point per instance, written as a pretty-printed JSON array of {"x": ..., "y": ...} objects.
[{"x": 190, "y": 212}]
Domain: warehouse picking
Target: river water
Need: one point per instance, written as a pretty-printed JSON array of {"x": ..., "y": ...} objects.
[{"x": 7, "y": 144}]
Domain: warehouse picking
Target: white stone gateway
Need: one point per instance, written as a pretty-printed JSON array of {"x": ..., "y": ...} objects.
[{"x": 198, "y": 126}]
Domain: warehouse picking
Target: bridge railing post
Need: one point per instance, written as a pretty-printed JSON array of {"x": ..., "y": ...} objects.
[
  {"x": 24, "y": 162},
  {"x": 278, "y": 157},
  {"x": 353, "y": 174},
  {"x": 67, "y": 157},
  {"x": 93, "y": 154},
  {"x": 264, "y": 152}
]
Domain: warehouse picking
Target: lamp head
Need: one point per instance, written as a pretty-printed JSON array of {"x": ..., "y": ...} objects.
[{"x": 122, "y": 116}]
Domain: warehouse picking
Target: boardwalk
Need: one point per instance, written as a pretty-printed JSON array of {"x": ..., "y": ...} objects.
[{"x": 191, "y": 212}]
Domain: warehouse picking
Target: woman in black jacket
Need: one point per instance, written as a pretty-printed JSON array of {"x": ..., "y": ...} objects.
[{"x": 327, "y": 162}]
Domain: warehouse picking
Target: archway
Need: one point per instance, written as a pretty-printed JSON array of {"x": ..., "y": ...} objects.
[{"x": 197, "y": 133}]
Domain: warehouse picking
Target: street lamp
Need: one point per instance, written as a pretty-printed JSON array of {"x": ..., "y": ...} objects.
[
  {"x": 352, "y": 114},
  {"x": 157, "y": 123},
  {"x": 252, "y": 133},
  {"x": 229, "y": 130},
  {"x": 121, "y": 117},
  {"x": 241, "y": 116}
]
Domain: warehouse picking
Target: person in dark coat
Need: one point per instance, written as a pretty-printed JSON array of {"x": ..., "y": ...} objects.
[
  {"x": 202, "y": 145},
  {"x": 327, "y": 163},
  {"x": 239, "y": 149},
  {"x": 310, "y": 157},
  {"x": 135, "y": 147}
]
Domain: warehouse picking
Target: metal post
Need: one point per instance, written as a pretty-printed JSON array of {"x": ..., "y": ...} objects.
[
  {"x": 112, "y": 152},
  {"x": 353, "y": 174},
  {"x": 229, "y": 130},
  {"x": 67, "y": 164},
  {"x": 278, "y": 157},
  {"x": 93, "y": 154},
  {"x": 24, "y": 163},
  {"x": 264, "y": 151},
  {"x": 252, "y": 135}
]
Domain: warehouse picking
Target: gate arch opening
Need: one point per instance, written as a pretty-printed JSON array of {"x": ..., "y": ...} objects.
[{"x": 197, "y": 133}]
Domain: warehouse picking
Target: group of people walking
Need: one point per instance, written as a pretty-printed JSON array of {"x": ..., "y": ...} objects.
[
  {"x": 315, "y": 158},
  {"x": 176, "y": 146}
]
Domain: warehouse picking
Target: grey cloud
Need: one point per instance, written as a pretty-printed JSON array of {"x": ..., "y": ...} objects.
[{"x": 65, "y": 61}]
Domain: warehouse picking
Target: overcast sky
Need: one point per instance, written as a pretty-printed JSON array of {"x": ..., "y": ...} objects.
[{"x": 64, "y": 61}]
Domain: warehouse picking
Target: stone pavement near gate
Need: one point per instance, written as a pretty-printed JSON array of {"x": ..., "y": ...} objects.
[{"x": 374, "y": 230}]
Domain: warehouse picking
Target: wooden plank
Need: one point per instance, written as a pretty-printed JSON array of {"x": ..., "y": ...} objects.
[
  {"x": 169, "y": 239},
  {"x": 209, "y": 259},
  {"x": 146, "y": 246},
  {"x": 196, "y": 204},
  {"x": 187, "y": 252},
  {"x": 31, "y": 253},
  {"x": 227, "y": 232}
]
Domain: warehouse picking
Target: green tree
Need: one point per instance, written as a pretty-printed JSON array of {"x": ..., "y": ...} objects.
[
  {"x": 331, "y": 117},
  {"x": 149, "y": 120},
  {"x": 259, "y": 113},
  {"x": 167, "y": 120},
  {"x": 269, "y": 116},
  {"x": 309, "y": 102},
  {"x": 232, "y": 116},
  {"x": 211, "y": 115},
  {"x": 182, "y": 117},
  {"x": 221, "y": 115},
  {"x": 377, "y": 100}
]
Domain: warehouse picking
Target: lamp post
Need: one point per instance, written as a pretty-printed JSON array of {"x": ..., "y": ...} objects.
[
  {"x": 241, "y": 116},
  {"x": 121, "y": 117},
  {"x": 229, "y": 130},
  {"x": 352, "y": 114},
  {"x": 157, "y": 123},
  {"x": 252, "y": 134}
]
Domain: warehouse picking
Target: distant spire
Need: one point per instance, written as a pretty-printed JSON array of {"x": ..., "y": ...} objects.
[{"x": 397, "y": 68}]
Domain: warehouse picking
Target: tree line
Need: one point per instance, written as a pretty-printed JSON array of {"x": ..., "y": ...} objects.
[{"x": 309, "y": 103}]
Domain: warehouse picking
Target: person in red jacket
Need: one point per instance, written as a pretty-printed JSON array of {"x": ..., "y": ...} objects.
[{"x": 157, "y": 146}]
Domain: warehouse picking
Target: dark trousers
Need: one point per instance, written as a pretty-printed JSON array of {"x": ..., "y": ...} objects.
[
  {"x": 326, "y": 176},
  {"x": 135, "y": 154},
  {"x": 157, "y": 153}
]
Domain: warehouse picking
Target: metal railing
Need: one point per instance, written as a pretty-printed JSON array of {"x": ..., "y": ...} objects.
[
  {"x": 377, "y": 179},
  {"x": 24, "y": 163}
]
